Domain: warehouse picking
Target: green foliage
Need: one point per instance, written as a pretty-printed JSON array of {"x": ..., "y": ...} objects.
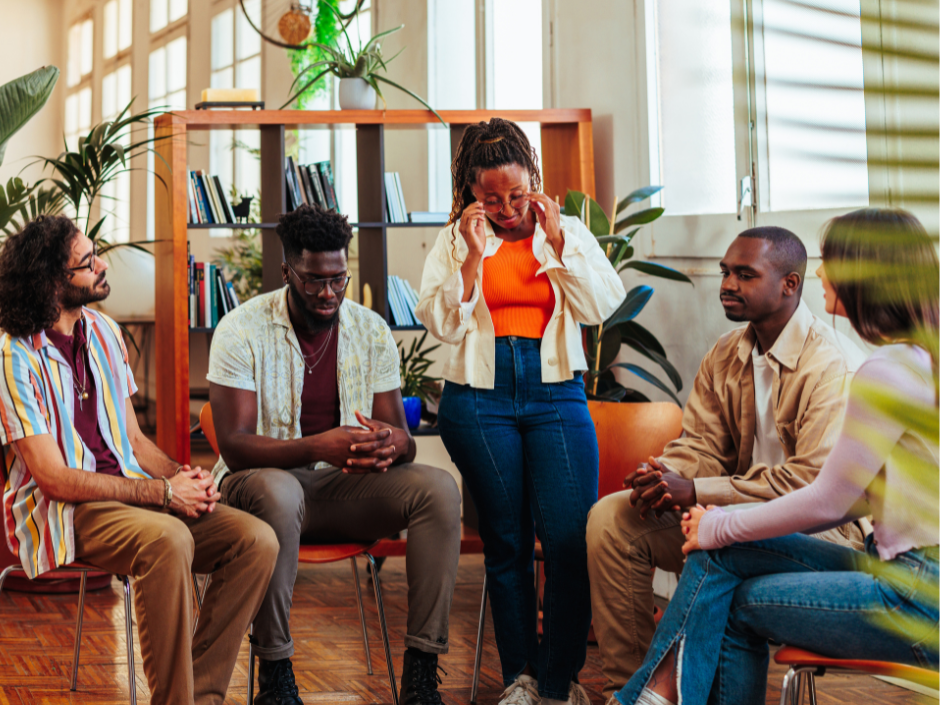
[
  {"x": 22, "y": 98},
  {"x": 345, "y": 61},
  {"x": 242, "y": 261},
  {"x": 326, "y": 31},
  {"x": 21, "y": 203},
  {"x": 415, "y": 381},
  {"x": 604, "y": 342}
]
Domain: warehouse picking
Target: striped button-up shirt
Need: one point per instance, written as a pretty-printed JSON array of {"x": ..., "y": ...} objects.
[{"x": 37, "y": 396}]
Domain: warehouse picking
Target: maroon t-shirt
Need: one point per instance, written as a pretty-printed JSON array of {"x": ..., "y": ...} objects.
[
  {"x": 74, "y": 349},
  {"x": 319, "y": 401}
]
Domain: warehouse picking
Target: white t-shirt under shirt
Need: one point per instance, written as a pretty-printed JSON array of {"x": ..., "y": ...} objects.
[{"x": 767, "y": 446}]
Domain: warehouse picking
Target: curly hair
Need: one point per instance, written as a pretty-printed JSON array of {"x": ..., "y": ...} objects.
[
  {"x": 488, "y": 145},
  {"x": 33, "y": 273},
  {"x": 313, "y": 229}
]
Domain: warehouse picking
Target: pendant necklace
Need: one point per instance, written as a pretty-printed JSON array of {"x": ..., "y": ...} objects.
[
  {"x": 319, "y": 354},
  {"x": 80, "y": 390}
]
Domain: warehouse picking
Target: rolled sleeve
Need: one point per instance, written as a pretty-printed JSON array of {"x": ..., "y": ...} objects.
[
  {"x": 231, "y": 359},
  {"x": 386, "y": 365},
  {"x": 453, "y": 297},
  {"x": 22, "y": 398},
  {"x": 713, "y": 490}
]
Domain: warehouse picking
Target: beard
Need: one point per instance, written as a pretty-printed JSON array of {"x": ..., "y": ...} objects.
[
  {"x": 314, "y": 323},
  {"x": 77, "y": 296}
]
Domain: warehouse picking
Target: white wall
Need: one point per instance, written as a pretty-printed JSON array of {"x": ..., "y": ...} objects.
[{"x": 34, "y": 36}]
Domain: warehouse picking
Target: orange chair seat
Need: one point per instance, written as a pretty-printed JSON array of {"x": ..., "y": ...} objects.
[
  {"x": 470, "y": 542},
  {"x": 330, "y": 553},
  {"x": 792, "y": 656}
]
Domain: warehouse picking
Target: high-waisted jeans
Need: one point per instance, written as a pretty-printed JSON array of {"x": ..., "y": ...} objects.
[
  {"x": 796, "y": 590},
  {"x": 528, "y": 452}
]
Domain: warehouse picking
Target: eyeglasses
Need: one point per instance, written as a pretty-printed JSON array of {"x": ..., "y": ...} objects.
[
  {"x": 516, "y": 203},
  {"x": 91, "y": 260},
  {"x": 312, "y": 287}
]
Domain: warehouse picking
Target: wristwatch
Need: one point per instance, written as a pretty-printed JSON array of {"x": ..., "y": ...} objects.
[{"x": 167, "y": 493}]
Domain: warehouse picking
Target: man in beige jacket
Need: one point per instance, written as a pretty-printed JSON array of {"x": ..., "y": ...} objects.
[{"x": 763, "y": 414}]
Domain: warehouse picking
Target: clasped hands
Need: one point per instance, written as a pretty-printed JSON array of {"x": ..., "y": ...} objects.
[{"x": 364, "y": 450}]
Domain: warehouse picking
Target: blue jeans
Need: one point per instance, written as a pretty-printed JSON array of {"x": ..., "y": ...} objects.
[
  {"x": 796, "y": 590},
  {"x": 528, "y": 452}
]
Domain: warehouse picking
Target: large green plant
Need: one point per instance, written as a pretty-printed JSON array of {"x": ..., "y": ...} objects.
[
  {"x": 349, "y": 62},
  {"x": 603, "y": 342},
  {"x": 21, "y": 203},
  {"x": 22, "y": 98},
  {"x": 415, "y": 380}
]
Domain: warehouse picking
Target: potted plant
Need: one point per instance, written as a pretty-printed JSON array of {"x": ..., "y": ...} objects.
[
  {"x": 357, "y": 71},
  {"x": 417, "y": 386},
  {"x": 603, "y": 342}
]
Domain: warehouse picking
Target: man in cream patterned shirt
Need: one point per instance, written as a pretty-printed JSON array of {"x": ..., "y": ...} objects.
[{"x": 306, "y": 397}]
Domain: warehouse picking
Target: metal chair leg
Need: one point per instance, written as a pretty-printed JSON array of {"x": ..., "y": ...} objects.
[
  {"x": 785, "y": 687},
  {"x": 251, "y": 665},
  {"x": 478, "y": 656},
  {"x": 362, "y": 614},
  {"x": 197, "y": 593},
  {"x": 6, "y": 571},
  {"x": 377, "y": 584},
  {"x": 205, "y": 589},
  {"x": 811, "y": 686},
  {"x": 798, "y": 688},
  {"x": 78, "y": 630},
  {"x": 129, "y": 624}
]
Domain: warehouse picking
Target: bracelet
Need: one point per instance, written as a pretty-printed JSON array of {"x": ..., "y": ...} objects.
[{"x": 167, "y": 493}]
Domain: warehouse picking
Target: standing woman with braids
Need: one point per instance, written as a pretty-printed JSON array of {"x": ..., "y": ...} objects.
[{"x": 507, "y": 284}]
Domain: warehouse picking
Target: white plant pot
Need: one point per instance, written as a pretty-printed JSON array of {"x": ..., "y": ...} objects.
[
  {"x": 356, "y": 94},
  {"x": 131, "y": 275}
]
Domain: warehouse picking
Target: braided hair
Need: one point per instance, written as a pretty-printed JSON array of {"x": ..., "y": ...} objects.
[{"x": 488, "y": 145}]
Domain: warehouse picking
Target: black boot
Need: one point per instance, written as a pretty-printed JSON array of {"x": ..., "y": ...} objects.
[
  {"x": 276, "y": 684},
  {"x": 419, "y": 679}
]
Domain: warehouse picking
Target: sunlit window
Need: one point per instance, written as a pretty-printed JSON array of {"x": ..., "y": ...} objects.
[
  {"x": 117, "y": 27},
  {"x": 81, "y": 52},
  {"x": 167, "y": 90},
  {"x": 165, "y": 12},
  {"x": 77, "y": 116},
  {"x": 116, "y": 195}
]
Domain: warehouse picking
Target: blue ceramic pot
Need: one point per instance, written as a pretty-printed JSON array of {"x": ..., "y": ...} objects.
[{"x": 412, "y": 411}]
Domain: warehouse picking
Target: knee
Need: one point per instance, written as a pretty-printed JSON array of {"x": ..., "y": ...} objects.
[
  {"x": 437, "y": 490},
  {"x": 608, "y": 522},
  {"x": 169, "y": 544},
  {"x": 259, "y": 541},
  {"x": 277, "y": 497}
]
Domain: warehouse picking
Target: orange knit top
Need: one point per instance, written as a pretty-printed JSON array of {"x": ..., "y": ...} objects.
[{"x": 520, "y": 302}]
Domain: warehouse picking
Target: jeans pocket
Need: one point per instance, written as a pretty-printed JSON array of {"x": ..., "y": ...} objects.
[{"x": 926, "y": 650}]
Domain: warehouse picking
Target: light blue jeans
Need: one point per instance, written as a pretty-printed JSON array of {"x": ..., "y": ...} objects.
[{"x": 796, "y": 590}]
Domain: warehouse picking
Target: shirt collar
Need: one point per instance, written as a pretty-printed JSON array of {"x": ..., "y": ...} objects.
[
  {"x": 789, "y": 344},
  {"x": 79, "y": 333},
  {"x": 281, "y": 313}
]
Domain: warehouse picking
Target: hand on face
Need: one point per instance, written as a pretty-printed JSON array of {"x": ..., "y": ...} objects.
[
  {"x": 473, "y": 228},
  {"x": 549, "y": 214}
]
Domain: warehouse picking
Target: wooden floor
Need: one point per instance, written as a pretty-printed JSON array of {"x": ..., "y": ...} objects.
[{"x": 36, "y": 634}]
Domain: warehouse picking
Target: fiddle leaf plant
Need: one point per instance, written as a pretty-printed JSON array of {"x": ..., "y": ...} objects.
[{"x": 603, "y": 343}]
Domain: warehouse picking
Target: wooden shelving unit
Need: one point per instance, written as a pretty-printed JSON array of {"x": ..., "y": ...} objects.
[{"x": 567, "y": 162}]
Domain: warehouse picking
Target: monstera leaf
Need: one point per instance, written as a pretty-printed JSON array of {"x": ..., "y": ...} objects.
[{"x": 22, "y": 98}]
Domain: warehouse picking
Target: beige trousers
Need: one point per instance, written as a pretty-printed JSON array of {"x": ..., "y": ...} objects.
[
  {"x": 623, "y": 549},
  {"x": 160, "y": 551}
]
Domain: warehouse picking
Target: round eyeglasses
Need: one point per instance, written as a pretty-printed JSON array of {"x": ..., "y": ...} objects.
[
  {"x": 516, "y": 203},
  {"x": 313, "y": 287}
]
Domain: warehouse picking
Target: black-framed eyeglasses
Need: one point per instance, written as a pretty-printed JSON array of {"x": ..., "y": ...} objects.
[
  {"x": 312, "y": 287},
  {"x": 91, "y": 260},
  {"x": 516, "y": 203}
]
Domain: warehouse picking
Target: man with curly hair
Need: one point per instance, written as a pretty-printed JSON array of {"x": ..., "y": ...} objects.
[
  {"x": 86, "y": 485},
  {"x": 306, "y": 396}
]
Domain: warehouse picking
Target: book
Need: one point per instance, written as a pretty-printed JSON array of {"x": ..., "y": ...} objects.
[
  {"x": 223, "y": 198},
  {"x": 402, "y": 211},
  {"x": 213, "y": 199},
  {"x": 233, "y": 294},
  {"x": 212, "y": 313},
  {"x": 301, "y": 191},
  {"x": 325, "y": 170},
  {"x": 200, "y": 198},
  {"x": 221, "y": 292},
  {"x": 293, "y": 197},
  {"x": 427, "y": 217},
  {"x": 395, "y": 304},
  {"x": 391, "y": 198},
  {"x": 191, "y": 199},
  {"x": 200, "y": 270},
  {"x": 307, "y": 187},
  {"x": 313, "y": 178}
]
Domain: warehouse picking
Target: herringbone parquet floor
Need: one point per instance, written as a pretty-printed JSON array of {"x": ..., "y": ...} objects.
[{"x": 36, "y": 647}]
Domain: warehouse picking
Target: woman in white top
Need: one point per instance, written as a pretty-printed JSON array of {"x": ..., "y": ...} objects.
[
  {"x": 507, "y": 284},
  {"x": 880, "y": 271}
]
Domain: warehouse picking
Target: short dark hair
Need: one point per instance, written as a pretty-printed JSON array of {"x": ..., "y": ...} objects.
[
  {"x": 313, "y": 229},
  {"x": 33, "y": 273},
  {"x": 788, "y": 252}
]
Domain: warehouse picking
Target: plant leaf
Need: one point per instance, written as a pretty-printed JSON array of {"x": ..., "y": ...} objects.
[
  {"x": 658, "y": 270},
  {"x": 574, "y": 200},
  {"x": 21, "y": 99},
  {"x": 640, "y": 217},
  {"x": 660, "y": 360},
  {"x": 631, "y": 331},
  {"x": 648, "y": 377},
  {"x": 631, "y": 306},
  {"x": 641, "y": 194},
  {"x": 610, "y": 346},
  {"x": 413, "y": 95},
  {"x": 600, "y": 225}
]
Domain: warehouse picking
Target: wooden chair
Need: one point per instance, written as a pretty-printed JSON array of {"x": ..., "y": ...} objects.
[
  {"x": 805, "y": 666},
  {"x": 627, "y": 435},
  {"x": 318, "y": 554},
  {"x": 128, "y": 620}
]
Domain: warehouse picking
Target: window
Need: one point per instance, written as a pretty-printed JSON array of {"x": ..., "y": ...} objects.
[
  {"x": 78, "y": 95},
  {"x": 115, "y": 200},
  {"x": 167, "y": 90},
  {"x": 117, "y": 27},
  {"x": 165, "y": 12},
  {"x": 81, "y": 50},
  {"x": 77, "y": 116},
  {"x": 236, "y": 63}
]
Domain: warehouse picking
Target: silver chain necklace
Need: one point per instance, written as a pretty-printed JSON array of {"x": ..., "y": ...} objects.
[{"x": 319, "y": 354}]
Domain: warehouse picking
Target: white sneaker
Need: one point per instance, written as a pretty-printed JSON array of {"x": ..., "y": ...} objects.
[
  {"x": 576, "y": 696},
  {"x": 522, "y": 691}
]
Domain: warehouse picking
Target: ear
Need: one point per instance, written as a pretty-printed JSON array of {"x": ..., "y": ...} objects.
[
  {"x": 791, "y": 284},
  {"x": 285, "y": 272}
]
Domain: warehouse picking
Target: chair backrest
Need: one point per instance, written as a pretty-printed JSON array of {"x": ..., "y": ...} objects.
[
  {"x": 628, "y": 434},
  {"x": 208, "y": 427}
]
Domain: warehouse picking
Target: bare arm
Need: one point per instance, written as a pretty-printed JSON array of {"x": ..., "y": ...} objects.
[
  {"x": 235, "y": 412},
  {"x": 153, "y": 460}
]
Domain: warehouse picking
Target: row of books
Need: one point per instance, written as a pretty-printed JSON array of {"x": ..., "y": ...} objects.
[
  {"x": 311, "y": 184},
  {"x": 402, "y": 300},
  {"x": 208, "y": 202},
  {"x": 210, "y": 295},
  {"x": 394, "y": 198}
]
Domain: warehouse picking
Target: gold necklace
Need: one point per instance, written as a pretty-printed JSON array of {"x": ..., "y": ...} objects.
[{"x": 80, "y": 389}]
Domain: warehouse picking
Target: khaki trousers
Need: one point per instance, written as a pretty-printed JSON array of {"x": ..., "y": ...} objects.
[
  {"x": 330, "y": 506},
  {"x": 160, "y": 551},
  {"x": 623, "y": 549}
]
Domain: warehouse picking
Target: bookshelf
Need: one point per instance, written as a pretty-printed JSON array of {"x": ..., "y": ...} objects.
[{"x": 567, "y": 162}]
